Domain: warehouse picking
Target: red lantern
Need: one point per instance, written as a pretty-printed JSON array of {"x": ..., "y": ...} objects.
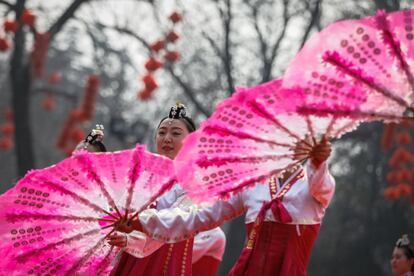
[
  {"x": 6, "y": 143},
  {"x": 28, "y": 18},
  {"x": 150, "y": 83},
  {"x": 144, "y": 95},
  {"x": 54, "y": 78},
  {"x": 7, "y": 129},
  {"x": 10, "y": 26},
  {"x": 405, "y": 189},
  {"x": 4, "y": 45},
  {"x": 172, "y": 36},
  {"x": 157, "y": 46},
  {"x": 172, "y": 56},
  {"x": 391, "y": 193},
  {"x": 153, "y": 64},
  {"x": 48, "y": 104},
  {"x": 400, "y": 156},
  {"x": 392, "y": 177},
  {"x": 175, "y": 17}
]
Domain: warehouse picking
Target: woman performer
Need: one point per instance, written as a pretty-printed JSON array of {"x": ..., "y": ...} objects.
[
  {"x": 283, "y": 217},
  {"x": 402, "y": 260},
  {"x": 145, "y": 256}
]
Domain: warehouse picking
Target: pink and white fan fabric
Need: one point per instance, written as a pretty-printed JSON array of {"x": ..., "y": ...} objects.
[
  {"x": 358, "y": 68},
  {"x": 249, "y": 137},
  {"x": 55, "y": 220}
]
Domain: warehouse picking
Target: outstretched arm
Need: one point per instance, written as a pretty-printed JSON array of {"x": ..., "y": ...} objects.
[{"x": 182, "y": 222}]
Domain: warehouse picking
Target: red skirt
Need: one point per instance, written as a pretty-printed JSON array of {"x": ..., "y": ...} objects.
[
  {"x": 280, "y": 250},
  {"x": 170, "y": 259},
  {"x": 206, "y": 266}
]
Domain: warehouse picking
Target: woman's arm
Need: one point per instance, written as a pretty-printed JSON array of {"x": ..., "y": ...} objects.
[
  {"x": 321, "y": 183},
  {"x": 135, "y": 243},
  {"x": 182, "y": 222}
]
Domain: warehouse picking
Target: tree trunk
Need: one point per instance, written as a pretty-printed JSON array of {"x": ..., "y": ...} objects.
[
  {"x": 20, "y": 86},
  {"x": 21, "y": 80}
]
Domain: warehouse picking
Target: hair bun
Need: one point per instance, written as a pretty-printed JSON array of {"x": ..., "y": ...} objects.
[
  {"x": 403, "y": 241},
  {"x": 178, "y": 111}
]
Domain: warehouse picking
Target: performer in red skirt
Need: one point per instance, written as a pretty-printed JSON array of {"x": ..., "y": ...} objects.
[{"x": 283, "y": 218}]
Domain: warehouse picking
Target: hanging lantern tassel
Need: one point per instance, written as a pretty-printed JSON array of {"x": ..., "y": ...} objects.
[
  {"x": 74, "y": 116},
  {"x": 91, "y": 91},
  {"x": 40, "y": 47},
  {"x": 387, "y": 136}
]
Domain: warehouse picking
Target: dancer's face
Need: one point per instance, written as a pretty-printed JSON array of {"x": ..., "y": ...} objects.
[
  {"x": 169, "y": 137},
  {"x": 400, "y": 263}
]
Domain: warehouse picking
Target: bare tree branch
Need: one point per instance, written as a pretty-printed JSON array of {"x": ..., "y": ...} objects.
[
  {"x": 9, "y": 5},
  {"x": 227, "y": 19},
  {"x": 66, "y": 15},
  {"x": 56, "y": 91},
  {"x": 267, "y": 71},
  {"x": 262, "y": 42},
  {"x": 315, "y": 15},
  {"x": 187, "y": 91},
  {"x": 184, "y": 86},
  {"x": 214, "y": 45}
]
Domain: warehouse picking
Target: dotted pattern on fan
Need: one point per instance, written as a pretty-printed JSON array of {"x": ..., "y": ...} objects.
[
  {"x": 36, "y": 198},
  {"x": 220, "y": 145},
  {"x": 218, "y": 181},
  {"x": 359, "y": 67},
  {"x": 238, "y": 118},
  {"x": 68, "y": 175},
  {"x": 31, "y": 235},
  {"x": 50, "y": 266},
  {"x": 408, "y": 25},
  {"x": 72, "y": 207},
  {"x": 323, "y": 89},
  {"x": 53, "y": 246}
]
